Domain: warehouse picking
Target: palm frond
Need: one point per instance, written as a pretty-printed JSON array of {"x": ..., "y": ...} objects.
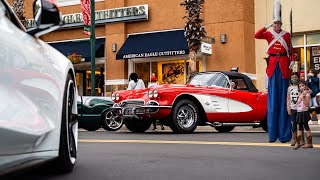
[{"x": 18, "y": 8}]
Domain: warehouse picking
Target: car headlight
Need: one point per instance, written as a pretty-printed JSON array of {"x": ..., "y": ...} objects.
[
  {"x": 117, "y": 96},
  {"x": 113, "y": 97},
  {"x": 155, "y": 93},
  {"x": 150, "y": 94}
]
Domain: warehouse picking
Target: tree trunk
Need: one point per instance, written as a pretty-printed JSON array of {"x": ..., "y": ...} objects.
[{"x": 193, "y": 61}]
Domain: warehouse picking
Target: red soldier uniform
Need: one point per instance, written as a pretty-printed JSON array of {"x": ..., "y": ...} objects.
[{"x": 277, "y": 52}]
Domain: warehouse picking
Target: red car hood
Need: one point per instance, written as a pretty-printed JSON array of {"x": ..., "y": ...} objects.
[{"x": 168, "y": 88}]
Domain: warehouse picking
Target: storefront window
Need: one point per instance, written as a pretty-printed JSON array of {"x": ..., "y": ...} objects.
[
  {"x": 297, "y": 40},
  {"x": 307, "y": 56},
  {"x": 143, "y": 71},
  {"x": 114, "y": 88},
  {"x": 154, "y": 69},
  {"x": 299, "y": 57},
  {"x": 171, "y": 72},
  {"x": 167, "y": 72},
  {"x": 313, "y": 39},
  {"x": 99, "y": 82},
  {"x": 79, "y": 82}
]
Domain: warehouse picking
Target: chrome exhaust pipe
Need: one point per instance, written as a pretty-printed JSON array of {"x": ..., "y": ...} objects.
[{"x": 214, "y": 124}]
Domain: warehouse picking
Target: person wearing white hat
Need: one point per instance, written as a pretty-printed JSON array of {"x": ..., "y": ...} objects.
[{"x": 279, "y": 72}]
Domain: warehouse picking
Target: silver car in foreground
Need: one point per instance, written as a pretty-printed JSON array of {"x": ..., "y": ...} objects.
[{"x": 37, "y": 94}]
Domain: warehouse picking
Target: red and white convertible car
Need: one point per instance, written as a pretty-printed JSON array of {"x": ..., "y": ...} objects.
[{"x": 222, "y": 100}]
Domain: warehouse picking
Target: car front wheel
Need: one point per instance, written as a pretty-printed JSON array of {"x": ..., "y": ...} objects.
[
  {"x": 110, "y": 121},
  {"x": 185, "y": 117},
  {"x": 69, "y": 131}
]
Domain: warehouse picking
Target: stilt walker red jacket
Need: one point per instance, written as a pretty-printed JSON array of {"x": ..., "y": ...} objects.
[{"x": 278, "y": 50}]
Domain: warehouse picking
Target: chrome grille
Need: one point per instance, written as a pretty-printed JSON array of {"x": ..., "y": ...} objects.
[{"x": 132, "y": 104}]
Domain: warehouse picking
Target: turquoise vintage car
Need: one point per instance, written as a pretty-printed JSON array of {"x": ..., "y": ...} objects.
[{"x": 94, "y": 112}]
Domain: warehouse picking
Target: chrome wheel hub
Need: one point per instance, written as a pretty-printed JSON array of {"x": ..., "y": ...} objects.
[
  {"x": 185, "y": 117},
  {"x": 112, "y": 120}
]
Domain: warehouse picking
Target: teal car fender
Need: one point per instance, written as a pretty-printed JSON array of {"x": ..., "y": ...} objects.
[{"x": 91, "y": 110}]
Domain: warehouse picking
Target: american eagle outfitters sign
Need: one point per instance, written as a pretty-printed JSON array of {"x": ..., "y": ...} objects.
[
  {"x": 131, "y": 13},
  {"x": 154, "y": 54}
]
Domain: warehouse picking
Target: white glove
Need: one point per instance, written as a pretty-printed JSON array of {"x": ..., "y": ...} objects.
[{"x": 268, "y": 26}]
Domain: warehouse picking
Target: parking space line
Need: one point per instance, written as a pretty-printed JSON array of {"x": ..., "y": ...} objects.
[{"x": 189, "y": 142}]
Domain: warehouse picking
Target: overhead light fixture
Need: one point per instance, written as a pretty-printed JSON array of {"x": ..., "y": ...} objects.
[
  {"x": 114, "y": 47},
  {"x": 223, "y": 38}
]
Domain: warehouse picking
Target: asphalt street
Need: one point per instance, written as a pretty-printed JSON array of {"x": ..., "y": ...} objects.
[{"x": 206, "y": 154}]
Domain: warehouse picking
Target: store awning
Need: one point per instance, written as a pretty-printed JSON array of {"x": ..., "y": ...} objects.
[
  {"x": 81, "y": 48},
  {"x": 169, "y": 43}
]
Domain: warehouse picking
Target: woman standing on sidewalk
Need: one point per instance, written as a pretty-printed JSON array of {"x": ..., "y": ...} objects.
[{"x": 303, "y": 116}]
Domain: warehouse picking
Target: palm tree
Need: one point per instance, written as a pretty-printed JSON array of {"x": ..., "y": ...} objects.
[
  {"x": 193, "y": 31},
  {"x": 18, "y": 8}
]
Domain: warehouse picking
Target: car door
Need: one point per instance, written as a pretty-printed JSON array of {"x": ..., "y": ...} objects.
[
  {"x": 216, "y": 105},
  {"x": 29, "y": 89},
  {"x": 245, "y": 106}
]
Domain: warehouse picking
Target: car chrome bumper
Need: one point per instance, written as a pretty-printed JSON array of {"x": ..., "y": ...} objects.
[{"x": 136, "y": 112}]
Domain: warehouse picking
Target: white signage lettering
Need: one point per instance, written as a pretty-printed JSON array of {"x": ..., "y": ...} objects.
[
  {"x": 316, "y": 63},
  {"x": 117, "y": 14},
  {"x": 154, "y": 54}
]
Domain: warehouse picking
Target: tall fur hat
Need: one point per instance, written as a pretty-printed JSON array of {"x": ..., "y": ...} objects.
[{"x": 277, "y": 11}]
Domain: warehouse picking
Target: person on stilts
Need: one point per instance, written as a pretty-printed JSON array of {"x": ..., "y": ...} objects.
[{"x": 279, "y": 71}]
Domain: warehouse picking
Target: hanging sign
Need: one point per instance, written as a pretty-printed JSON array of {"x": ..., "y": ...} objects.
[
  {"x": 206, "y": 48},
  {"x": 86, "y": 14}
]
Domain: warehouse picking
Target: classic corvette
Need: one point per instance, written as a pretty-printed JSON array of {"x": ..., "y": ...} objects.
[
  {"x": 94, "y": 112},
  {"x": 222, "y": 100},
  {"x": 38, "y": 108}
]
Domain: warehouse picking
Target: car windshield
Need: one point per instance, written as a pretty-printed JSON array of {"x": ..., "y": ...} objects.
[{"x": 210, "y": 79}]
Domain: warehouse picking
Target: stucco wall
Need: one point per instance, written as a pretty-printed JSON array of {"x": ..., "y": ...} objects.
[{"x": 235, "y": 19}]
